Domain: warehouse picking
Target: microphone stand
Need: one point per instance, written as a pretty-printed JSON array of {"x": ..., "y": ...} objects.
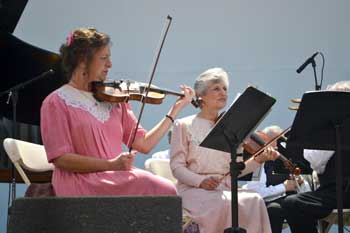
[
  {"x": 13, "y": 97},
  {"x": 317, "y": 86}
]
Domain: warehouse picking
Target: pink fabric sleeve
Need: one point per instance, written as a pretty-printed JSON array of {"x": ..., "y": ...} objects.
[
  {"x": 129, "y": 123},
  {"x": 178, "y": 154},
  {"x": 55, "y": 130}
]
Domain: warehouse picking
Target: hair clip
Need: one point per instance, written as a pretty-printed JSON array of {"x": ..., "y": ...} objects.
[{"x": 70, "y": 38}]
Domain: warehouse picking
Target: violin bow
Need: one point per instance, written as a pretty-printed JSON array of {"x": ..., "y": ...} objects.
[
  {"x": 283, "y": 158},
  {"x": 151, "y": 75}
]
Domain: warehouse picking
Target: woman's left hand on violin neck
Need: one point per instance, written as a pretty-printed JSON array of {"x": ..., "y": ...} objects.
[{"x": 185, "y": 100}]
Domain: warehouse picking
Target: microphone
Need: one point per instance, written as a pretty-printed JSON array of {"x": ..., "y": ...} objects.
[
  {"x": 49, "y": 72},
  {"x": 306, "y": 63}
]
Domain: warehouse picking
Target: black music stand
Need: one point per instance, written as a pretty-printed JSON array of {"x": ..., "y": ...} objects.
[
  {"x": 243, "y": 117},
  {"x": 323, "y": 123}
]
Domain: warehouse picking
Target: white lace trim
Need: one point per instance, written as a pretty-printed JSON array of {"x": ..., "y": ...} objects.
[{"x": 85, "y": 101}]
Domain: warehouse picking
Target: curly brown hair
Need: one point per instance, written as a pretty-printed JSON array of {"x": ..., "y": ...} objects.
[{"x": 81, "y": 45}]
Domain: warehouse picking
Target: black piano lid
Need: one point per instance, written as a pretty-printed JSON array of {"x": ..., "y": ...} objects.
[
  {"x": 10, "y": 13},
  {"x": 20, "y": 62}
]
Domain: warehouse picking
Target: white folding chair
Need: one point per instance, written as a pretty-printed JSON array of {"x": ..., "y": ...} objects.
[
  {"x": 161, "y": 167},
  {"x": 30, "y": 156}
]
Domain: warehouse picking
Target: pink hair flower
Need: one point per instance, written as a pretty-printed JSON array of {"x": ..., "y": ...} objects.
[{"x": 70, "y": 39}]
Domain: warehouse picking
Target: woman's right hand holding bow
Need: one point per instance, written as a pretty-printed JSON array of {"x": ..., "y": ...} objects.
[
  {"x": 123, "y": 162},
  {"x": 210, "y": 183}
]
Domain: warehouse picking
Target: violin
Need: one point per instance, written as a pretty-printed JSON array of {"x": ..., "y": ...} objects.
[
  {"x": 258, "y": 141},
  {"x": 123, "y": 91}
]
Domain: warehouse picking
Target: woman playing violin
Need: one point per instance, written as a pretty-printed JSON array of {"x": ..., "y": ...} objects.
[
  {"x": 200, "y": 171},
  {"x": 83, "y": 137}
]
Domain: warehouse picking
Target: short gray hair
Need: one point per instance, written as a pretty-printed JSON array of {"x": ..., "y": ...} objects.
[
  {"x": 339, "y": 86},
  {"x": 213, "y": 75},
  {"x": 272, "y": 131}
]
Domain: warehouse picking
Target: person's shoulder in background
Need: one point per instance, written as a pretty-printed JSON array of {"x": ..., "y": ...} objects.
[{"x": 164, "y": 154}]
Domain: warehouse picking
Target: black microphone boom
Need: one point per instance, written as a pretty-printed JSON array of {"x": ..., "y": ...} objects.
[
  {"x": 22, "y": 85},
  {"x": 307, "y": 62}
]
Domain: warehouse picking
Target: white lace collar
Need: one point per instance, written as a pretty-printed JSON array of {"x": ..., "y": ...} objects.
[{"x": 85, "y": 101}]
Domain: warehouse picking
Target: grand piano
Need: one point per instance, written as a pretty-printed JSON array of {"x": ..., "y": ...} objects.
[{"x": 19, "y": 63}]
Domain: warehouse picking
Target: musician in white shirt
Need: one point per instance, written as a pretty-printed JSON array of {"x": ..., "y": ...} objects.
[{"x": 304, "y": 209}]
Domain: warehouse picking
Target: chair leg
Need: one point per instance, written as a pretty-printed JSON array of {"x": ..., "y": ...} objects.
[
  {"x": 325, "y": 226},
  {"x": 322, "y": 225},
  {"x": 186, "y": 222},
  {"x": 22, "y": 173}
]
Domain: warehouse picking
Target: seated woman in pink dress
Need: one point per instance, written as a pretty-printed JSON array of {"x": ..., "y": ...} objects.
[
  {"x": 205, "y": 190},
  {"x": 84, "y": 137}
]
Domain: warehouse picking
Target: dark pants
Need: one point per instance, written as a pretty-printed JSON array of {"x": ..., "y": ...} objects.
[
  {"x": 276, "y": 214},
  {"x": 304, "y": 209}
]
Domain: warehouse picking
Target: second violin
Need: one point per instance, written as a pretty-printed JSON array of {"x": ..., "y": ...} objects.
[{"x": 259, "y": 140}]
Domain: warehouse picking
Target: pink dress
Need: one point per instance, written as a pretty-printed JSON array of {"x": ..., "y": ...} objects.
[
  {"x": 72, "y": 121},
  {"x": 191, "y": 164}
]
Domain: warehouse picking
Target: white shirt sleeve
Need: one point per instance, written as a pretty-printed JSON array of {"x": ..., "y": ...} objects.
[
  {"x": 272, "y": 190},
  {"x": 318, "y": 159},
  {"x": 260, "y": 187}
]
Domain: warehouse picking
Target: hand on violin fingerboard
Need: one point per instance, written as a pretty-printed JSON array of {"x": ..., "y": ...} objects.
[
  {"x": 299, "y": 179},
  {"x": 188, "y": 93},
  {"x": 290, "y": 185},
  {"x": 268, "y": 154}
]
